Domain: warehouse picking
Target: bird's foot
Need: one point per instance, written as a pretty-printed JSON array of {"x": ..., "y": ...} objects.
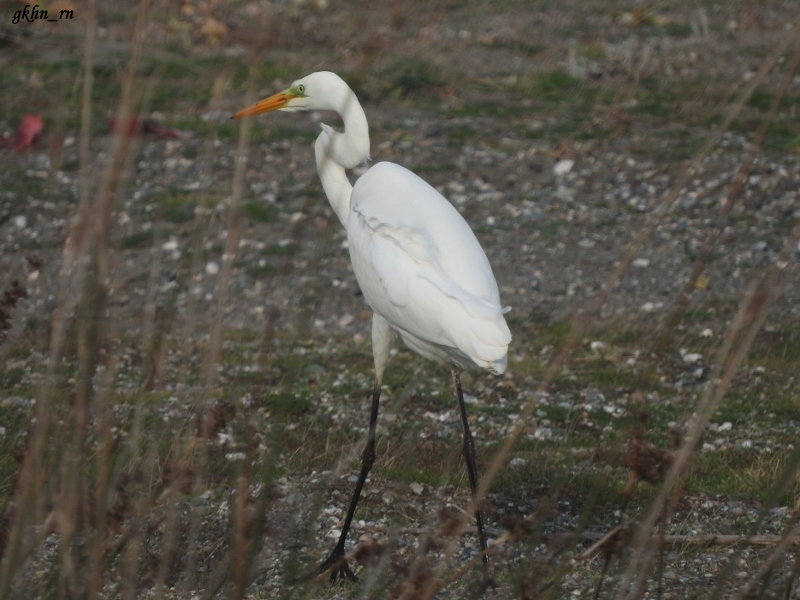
[{"x": 337, "y": 566}]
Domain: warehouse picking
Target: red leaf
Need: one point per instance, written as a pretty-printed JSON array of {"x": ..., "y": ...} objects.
[{"x": 29, "y": 130}]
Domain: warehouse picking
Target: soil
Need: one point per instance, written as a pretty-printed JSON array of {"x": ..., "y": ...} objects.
[{"x": 558, "y": 130}]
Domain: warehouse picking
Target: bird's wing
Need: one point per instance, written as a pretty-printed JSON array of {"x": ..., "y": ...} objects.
[{"x": 420, "y": 266}]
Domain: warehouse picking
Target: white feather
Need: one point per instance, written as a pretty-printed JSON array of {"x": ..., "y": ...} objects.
[{"x": 420, "y": 266}]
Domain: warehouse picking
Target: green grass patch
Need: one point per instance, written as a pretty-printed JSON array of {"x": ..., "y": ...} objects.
[
  {"x": 514, "y": 45},
  {"x": 261, "y": 271},
  {"x": 260, "y": 213},
  {"x": 739, "y": 473},
  {"x": 556, "y": 86},
  {"x": 410, "y": 78},
  {"x": 287, "y": 404},
  {"x": 139, "y": 239},
  {"x": 176, "y": 206},
  {"x": 10, "y": 378}
]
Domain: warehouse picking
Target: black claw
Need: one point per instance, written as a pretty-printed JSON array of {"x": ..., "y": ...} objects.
[{"x": 338, "y": 567}]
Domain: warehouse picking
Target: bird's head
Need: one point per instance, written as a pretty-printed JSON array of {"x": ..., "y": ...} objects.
[{"x": 319, "y": 91}]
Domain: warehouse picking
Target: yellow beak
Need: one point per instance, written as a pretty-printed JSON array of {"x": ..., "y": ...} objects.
[{"x": 276, "y": 102}]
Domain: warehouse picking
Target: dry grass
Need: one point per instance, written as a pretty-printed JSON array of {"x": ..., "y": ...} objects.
[{"x": 111, "y": 496}]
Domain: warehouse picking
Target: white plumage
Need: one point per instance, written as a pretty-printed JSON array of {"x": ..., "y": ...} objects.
[
  {"x": 418, "y": 263},
  {"x": 422, "y": 269},
  {"x": 416, "y": 260}
]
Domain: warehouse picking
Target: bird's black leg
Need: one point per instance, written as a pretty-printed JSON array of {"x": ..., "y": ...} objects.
[
  {"x": 469, "y": 458},
  {"x": 336, "y": 563}
]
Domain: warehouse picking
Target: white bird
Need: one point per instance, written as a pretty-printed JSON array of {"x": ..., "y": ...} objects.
[{"x": 417, "y": 262}]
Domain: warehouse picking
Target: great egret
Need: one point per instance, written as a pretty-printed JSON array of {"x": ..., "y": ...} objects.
[{"x": 419, "y": 266}]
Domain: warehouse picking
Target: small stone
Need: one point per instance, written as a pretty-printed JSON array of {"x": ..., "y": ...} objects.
[
  {"x": 563, "y": 167},
  {"x": 212, "y": 267},
  {"x": 417, "y": 488},
  {"x": 543, "y": 433},
  {"x": 641, "y": 263},
  {"x": 20, "y": 221}
]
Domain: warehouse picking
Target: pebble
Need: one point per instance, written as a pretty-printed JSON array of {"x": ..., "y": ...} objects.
[
  {"x": 692, "y": 357},
  {"x": 212, "y": 267},
  {"x": 417, "y": 488},
  {"x": 563, "y": 167}
]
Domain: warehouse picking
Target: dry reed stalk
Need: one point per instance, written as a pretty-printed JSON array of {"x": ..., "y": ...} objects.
[
  {"x": 79, "y": 286},
  {"x": 791, "y": 538},
  {"x": 186, "y": 455},
  {"x": 233, "y": 237},
  {"x": 170, "y": 544},
  {"x": 753, "y": 309},
  {"x": 241, "y": 533},
  {"x": 189, "y": 451},
  {"x": 28, "y": 497},
  {"x": 105, "y": 442},
  {"x": 581, "y": 322},
  {"x": 214, "y": 347},
  {"x": 204, "y": 219},
  {"x": 682, "y": 301}
]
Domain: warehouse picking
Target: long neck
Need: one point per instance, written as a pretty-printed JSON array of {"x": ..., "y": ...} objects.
[
  {"x": 336, "y": 152},
  {"x": 334, "y": 179}
]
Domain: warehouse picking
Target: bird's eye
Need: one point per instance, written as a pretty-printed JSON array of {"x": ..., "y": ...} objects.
[{"x": 301, "y": 88}]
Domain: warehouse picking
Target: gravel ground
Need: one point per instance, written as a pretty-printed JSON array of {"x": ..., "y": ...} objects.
[{"x": 554, "y": 213}]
